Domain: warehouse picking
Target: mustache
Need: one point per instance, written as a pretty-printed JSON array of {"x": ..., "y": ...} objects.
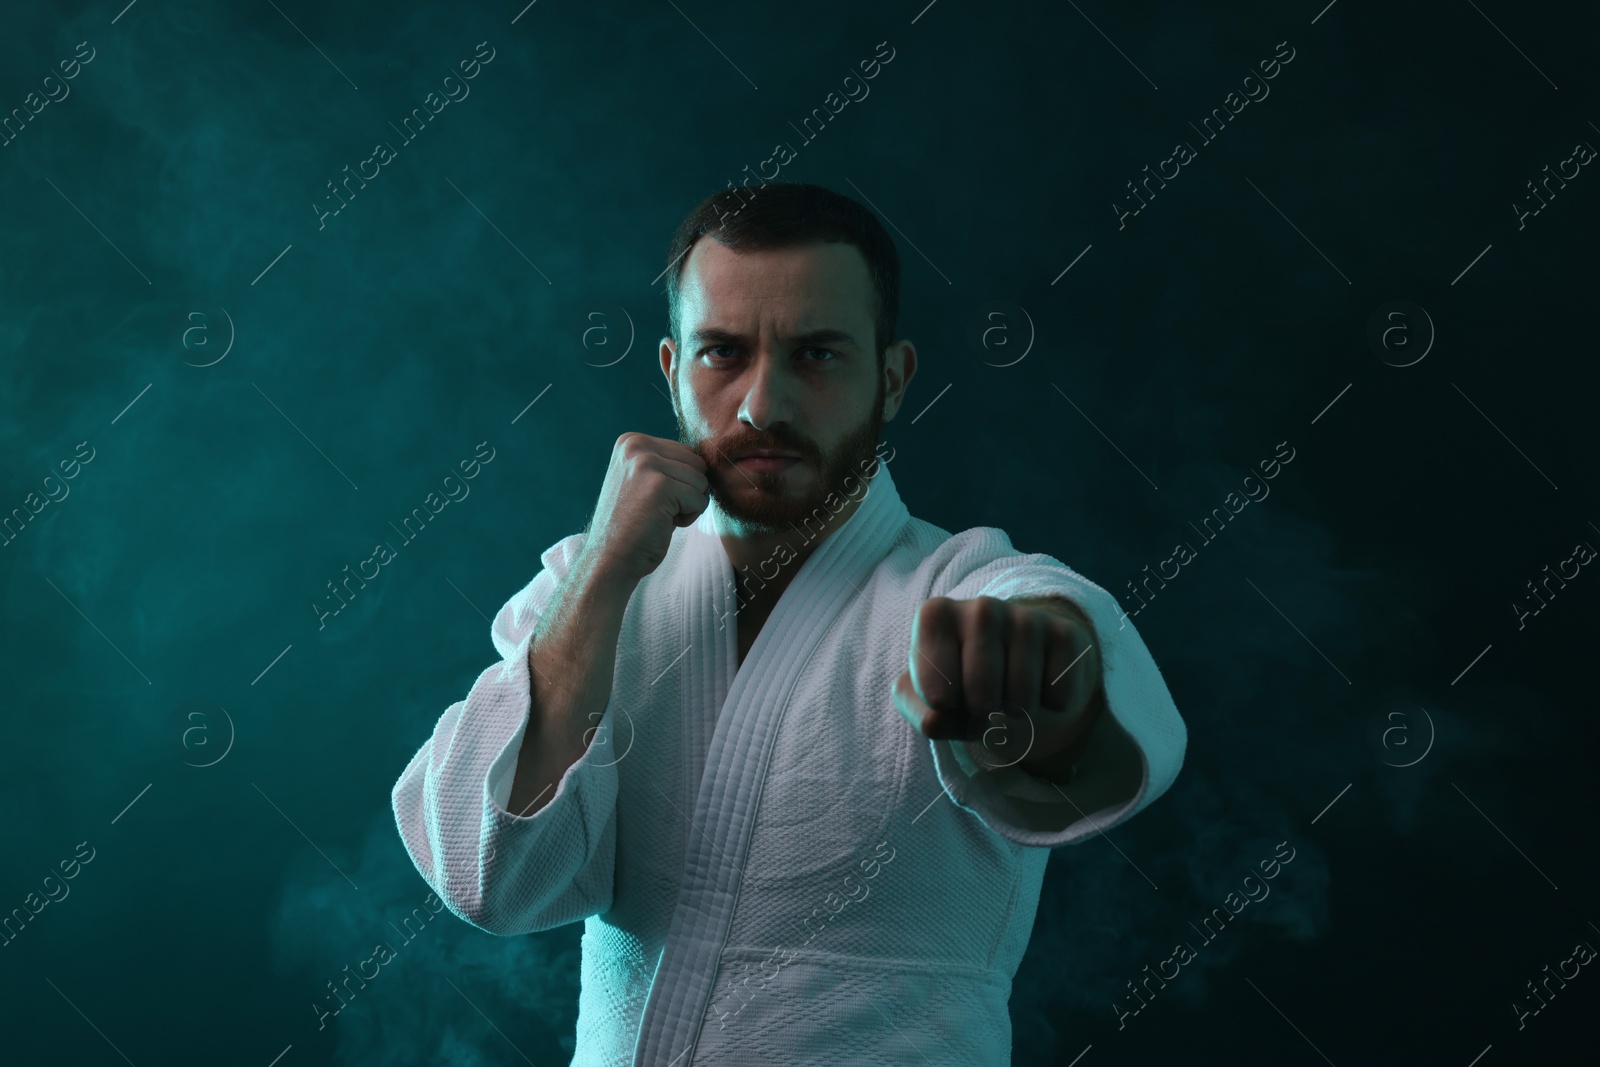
[{"x": 723, "y": 451}]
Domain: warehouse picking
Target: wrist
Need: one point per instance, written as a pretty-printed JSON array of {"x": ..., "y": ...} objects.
[
  {"x": 1061, "y": 766},
  {"x": 601, "y": 583}
]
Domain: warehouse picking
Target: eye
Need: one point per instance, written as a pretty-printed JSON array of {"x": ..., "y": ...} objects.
[{"x": 822, "y": 355}]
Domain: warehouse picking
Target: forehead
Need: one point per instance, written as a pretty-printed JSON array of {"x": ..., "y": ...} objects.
[{"x": 818, "y": 284}]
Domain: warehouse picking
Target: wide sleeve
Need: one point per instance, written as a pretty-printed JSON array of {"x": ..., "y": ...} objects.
[
  {"x": 499, "y": 871},
  {"x": 1135, "y": 751}
]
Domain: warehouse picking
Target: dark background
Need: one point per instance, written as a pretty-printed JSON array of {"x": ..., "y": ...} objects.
[{"x": 162, "y": 606}]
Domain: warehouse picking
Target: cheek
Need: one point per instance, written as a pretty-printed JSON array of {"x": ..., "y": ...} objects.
[
  {"x": 695, "y": 403},
  {"x": 711, "y": 404}
]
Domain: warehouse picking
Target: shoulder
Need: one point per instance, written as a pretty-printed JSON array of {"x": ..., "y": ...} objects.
[{"x": 966, "y": 564}]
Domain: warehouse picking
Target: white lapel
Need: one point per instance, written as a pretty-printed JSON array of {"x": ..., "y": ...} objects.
[{"x": 734, "y": 762}]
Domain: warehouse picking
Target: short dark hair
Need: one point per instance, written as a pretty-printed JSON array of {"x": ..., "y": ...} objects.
[{"x": 782, "y": 215}]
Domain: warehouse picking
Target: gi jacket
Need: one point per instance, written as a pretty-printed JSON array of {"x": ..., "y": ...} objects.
[{"x": 772, "y": 866}]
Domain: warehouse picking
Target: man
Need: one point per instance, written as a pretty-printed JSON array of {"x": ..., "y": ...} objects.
[{"x": 794, "y": 757}]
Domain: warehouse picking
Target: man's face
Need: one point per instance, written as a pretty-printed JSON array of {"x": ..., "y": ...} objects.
[{"x": 777, "y": 353}]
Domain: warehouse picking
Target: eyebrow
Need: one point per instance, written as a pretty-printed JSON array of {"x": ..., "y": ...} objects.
[{"x": 827, "y": 336}]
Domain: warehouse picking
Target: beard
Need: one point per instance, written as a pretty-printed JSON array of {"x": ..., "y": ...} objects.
[{"x": 761, "y": 502}]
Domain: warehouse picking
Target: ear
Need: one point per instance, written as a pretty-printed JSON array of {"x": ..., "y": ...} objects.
[
  {"x": 669, "y": 353},
  {"x": 899, "y": 366}
]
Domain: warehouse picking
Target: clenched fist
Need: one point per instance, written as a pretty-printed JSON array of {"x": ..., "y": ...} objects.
[
  {"x": 652, "y": 486},
  {"x": 1021, "y": 676}
]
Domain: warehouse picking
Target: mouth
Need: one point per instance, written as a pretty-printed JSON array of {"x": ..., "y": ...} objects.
[{"x": 767, "y": 461}]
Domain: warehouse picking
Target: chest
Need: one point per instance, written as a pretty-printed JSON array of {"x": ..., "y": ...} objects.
[{"x": 748, "y": 629}]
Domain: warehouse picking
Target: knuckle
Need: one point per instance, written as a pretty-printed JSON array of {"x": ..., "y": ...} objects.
[
  {"x": 1029, "y": 625},
  {"x": 988, "y": 611}
]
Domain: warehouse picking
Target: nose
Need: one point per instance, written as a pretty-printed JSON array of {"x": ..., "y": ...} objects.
[{"x": 769, "y": 397}]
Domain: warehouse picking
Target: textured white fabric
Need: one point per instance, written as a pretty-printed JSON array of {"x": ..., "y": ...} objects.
[{"x": 771, "y": 865}]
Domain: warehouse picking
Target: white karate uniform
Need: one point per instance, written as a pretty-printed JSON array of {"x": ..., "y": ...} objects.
[{"x": 772, "y": 866}]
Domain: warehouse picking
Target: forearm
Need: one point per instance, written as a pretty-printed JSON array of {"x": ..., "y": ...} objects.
[{"x": 571, "y": 660}]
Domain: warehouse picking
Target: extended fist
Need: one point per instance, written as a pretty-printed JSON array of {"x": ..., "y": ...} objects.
[{"x": 1023, "y": 676}]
